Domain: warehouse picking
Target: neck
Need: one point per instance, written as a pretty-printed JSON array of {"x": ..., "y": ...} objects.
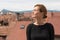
[{"x": 39, "y": 22}]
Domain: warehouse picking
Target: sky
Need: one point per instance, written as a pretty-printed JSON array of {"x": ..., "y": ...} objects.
[{"x": 20, "y": 5}]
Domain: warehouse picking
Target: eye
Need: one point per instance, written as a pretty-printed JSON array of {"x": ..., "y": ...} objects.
[{"x": 34, "y": 10}]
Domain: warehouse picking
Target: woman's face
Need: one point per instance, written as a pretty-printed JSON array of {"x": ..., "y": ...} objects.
[{"x": 36, "y": 13}]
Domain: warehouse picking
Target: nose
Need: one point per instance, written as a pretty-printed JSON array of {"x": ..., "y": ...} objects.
[{"x": 34, "y": 13}]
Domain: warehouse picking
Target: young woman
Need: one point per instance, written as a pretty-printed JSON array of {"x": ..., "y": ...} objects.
[{"x": 40, "y": 29}]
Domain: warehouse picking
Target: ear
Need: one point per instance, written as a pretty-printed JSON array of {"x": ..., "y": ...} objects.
[
  {"x": 42, "y": 13},
  {"x": 44, "y": 16}
]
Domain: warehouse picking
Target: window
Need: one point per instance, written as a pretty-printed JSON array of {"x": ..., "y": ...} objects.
[
  {"x": 4, "y": 23},
  {"x": 2, "y": 37}
]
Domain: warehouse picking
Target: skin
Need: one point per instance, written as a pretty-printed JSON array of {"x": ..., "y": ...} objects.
[{"x": 37, "y": 16}]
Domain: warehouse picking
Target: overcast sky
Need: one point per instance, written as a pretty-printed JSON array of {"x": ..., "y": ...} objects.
[{"x": 18, "y": 5}]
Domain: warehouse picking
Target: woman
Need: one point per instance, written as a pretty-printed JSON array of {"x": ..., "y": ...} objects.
[{"x": 40, "y": 29}]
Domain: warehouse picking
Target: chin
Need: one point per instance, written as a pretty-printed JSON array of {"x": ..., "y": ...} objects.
[{"x": 33, "y": 17}]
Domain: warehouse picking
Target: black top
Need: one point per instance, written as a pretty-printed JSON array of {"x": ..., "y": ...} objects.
[{"x": 40, "y": 32}]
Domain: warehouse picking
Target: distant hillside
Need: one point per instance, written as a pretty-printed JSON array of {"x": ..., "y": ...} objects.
[
  {"x": 53, "y": 11},
  {"x": 47, "y": 10},
  {"x": 5, "y": 11}
]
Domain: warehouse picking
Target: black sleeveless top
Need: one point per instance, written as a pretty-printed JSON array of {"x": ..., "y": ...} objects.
[{"x": 40, "y": 32}]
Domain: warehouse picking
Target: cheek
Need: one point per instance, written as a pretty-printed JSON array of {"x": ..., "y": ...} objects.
[
  {"x": 33, "y": 15},
  {"x": 40, "y": 15}
]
